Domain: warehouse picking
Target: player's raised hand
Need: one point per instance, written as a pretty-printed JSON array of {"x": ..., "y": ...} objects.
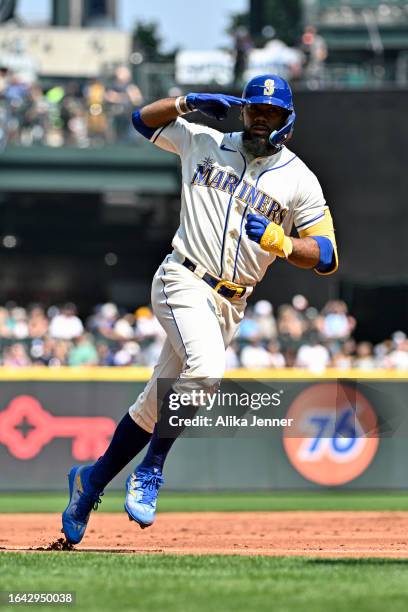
[{"x": 213, "y": 105}]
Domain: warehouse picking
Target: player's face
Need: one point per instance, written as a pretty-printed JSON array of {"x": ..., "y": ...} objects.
[{"x": 259, "y": 121}]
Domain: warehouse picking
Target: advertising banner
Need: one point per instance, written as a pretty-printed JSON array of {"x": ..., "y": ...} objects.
[{"x": 244, "y": 434}]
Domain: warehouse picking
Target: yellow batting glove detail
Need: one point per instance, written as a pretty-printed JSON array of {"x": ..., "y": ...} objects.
[{"x": 275, "y": 241}]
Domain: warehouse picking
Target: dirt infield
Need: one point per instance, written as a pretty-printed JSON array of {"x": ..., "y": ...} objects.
[{"x": 323, "y": 534}]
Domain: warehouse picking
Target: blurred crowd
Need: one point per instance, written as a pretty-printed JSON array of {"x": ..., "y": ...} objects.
[
  {"x": 70, "y": 113},
  {"x": 305, "y": 61},
  {"x": 96, "y": 112},
  {"x": 296, "y": 335}
]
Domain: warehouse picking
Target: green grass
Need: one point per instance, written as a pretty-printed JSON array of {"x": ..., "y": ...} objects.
[
  {"x": 221, "y": 584},
  {"x": 219, "y": 502}
]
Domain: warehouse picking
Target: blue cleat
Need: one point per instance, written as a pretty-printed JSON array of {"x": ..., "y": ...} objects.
[
  {"x": 142, "y": 488},
  {"x": 83, "y": 497}
]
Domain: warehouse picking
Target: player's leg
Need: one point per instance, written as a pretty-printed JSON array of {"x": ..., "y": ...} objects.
[
  {"x": 188, "y": 312},
  {"x": 131, "y": 437},
  {"x": 201, "y": 347},
  {"x": 86, "y": 483},
  {"x": 192, "y": 318}
]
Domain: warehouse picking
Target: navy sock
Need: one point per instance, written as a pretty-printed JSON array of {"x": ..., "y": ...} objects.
[
  {"x": 128, "y": 440},
  {"x": 157, "y": 451},
  {"x": 159, "y": 447}
]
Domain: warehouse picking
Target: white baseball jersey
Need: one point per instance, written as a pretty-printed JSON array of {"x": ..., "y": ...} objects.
[{"x": 221, "y": 185}]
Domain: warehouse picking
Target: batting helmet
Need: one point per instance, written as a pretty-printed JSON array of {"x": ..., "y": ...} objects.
[{"x": 272, "y": 89}]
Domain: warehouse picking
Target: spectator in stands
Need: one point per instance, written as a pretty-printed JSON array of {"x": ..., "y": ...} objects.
[
  {"x": 264, "y": 319},
  {"x": 17, "y": 323},
  {"x": 66, "y": 325},
  {"x": 52, "y": 338},
  {"x": 123, "y": 96},
  {"x": 15, "y": 356},
  {"x": 37, "y": 322},
  {"x": 16, "y": 95},
  {"x": 341, "y": 360},
  {"x": 41, "y": 350},
  {"x": 315, "y": 49},
  {"x": 5, "y": 331},
  {"x": 102, "y": 323},
  {"x": 313, "y": 356},
  {"x": 151, "y": 352},
  {"x": 290, "y": 322},
  {"x": 276, "y": 358},
  {"x": 105, "y": 355},
  {"x": 128, "y": 354},
  {"x": 148, "y": 327},
  {"x": 4, "y": 74},
  {"x": 398, "y": 357},
  {"x": 124, "y": 327},
  {"x": 57, "y": 122},
  {"x": 255, "y": 355},
  {"x": 83, "y": 352},
  {"x": 59, "y": 353},
  {"x": 231, "y": 356},
  {"x": 97, "y": 120},
  {"x": 35, "y": 122},
  {"x": 300, "y": 304},
  {"x": 248, "y": 328},
  {"x": 364, "y": 359},
  {"x": 336, "y": 323},
  {"x": 66, "y": 114},
  {"x": 291, "y": 331},
  {"x": 242, "y": 48}
]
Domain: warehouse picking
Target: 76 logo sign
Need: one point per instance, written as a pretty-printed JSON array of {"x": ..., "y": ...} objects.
[
  {"x": 336, "y": 434},
  {"x": 334, "y": 437}
]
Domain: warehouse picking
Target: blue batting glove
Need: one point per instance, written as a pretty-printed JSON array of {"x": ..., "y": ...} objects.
[
  {"x": 213, "y": 105},
  {"x": 255, "y": 227}
]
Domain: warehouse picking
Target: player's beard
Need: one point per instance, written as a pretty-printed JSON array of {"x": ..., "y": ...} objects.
[{"x": 258, "y": 146}]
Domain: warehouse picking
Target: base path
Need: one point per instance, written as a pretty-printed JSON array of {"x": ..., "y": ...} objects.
[{"x": 322, "y": 534}]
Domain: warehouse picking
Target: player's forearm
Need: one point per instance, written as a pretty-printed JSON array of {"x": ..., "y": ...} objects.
[
  {"x": 162, "y": 111},
  {"x": 305, "y": 253}
]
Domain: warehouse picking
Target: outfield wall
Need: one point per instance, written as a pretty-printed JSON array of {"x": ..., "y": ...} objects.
[{"x": 51, "y": 419}]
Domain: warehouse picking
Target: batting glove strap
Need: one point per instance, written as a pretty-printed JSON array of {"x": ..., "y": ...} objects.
[{"x": 275, "y": 241}]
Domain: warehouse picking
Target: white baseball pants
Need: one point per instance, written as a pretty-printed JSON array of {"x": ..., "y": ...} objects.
[{"x": 199, "y": 324}]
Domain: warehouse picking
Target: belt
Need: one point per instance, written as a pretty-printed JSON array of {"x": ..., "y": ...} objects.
[{"x": 225, "y": 288}]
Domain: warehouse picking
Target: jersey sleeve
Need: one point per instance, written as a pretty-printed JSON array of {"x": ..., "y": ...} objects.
[
  {"x": 310, "y": 205},
  {"x": 176, "y": 136},
  {"x": 324, "y": 228}
]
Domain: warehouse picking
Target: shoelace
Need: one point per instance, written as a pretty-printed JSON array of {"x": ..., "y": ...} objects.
[
  {"x": 152, "y": 483},
  {"x": 86, "y": 503}
]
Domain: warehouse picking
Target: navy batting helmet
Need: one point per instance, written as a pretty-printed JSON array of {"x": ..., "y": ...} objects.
[{"x": 272, "y": 89}]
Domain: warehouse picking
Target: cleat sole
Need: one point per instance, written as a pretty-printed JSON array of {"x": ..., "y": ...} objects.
[{"x": 131, "y": 519}]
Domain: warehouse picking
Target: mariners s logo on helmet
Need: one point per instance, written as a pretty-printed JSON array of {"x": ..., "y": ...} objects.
[{"x": 269, "y": 87}]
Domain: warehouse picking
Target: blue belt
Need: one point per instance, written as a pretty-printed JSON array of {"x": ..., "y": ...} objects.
[{"x": 225, "y": 288}]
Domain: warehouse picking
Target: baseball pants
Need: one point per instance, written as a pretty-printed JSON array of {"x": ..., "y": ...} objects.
[{"x": 199, "y": 324}]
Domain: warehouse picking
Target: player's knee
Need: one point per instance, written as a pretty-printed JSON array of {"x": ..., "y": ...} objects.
[{"x": 194, "y": 383}]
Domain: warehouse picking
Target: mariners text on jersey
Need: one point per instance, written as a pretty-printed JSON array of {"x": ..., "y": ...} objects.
[{"x": 211, "y": 176}]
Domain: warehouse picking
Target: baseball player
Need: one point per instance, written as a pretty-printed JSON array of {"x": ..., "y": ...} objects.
[{"x": 242, "y": 193}]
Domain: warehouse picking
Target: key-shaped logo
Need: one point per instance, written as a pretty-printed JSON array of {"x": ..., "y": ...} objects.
[{"x": 25, "y": 428}]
